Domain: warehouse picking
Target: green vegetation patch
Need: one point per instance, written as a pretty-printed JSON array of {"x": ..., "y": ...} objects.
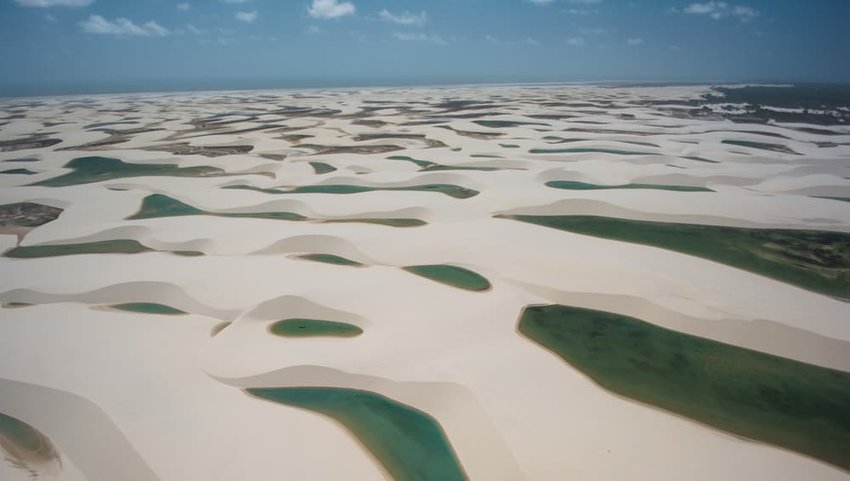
[
  {"x": 118, "y": 246},
  {"x": 767, "y": 398},
  {"x": 159, "y": 205},
  {"x": 574, "y": 185},
  {"x": 27, "y": 214},
  {"x": 148, "y": 308},
  {"x": 815, "y": 260},
  {"x": 330, "y": 259},
  {"x": 452, "y": 275},
  {"x": 97, "y": 169},
  {"x": 314, "y": 328},
  {"x": 409, "y": 443}
]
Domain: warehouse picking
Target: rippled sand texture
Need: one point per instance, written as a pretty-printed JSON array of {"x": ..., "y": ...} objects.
[{"x": 492, "y": 283}]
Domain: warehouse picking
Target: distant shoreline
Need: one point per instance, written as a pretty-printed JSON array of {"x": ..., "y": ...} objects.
[{"x": 122, "y": 88}]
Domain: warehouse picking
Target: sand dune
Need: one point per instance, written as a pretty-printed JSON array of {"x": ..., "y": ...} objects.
[{"x": 126, "y": 394}]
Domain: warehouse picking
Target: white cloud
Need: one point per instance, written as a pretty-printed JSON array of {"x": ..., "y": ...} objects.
[
  {"x": 195, "y": 30},
  {"x": 419, "y": 37},
  {"x": 330, "y": 9},
  {"x": 183, "y": 6},
  {"x": 54, "y": 3},
  {"x": 718, "y": 10},
  {"x": 247, "y": 17},
  {"x": 634, "y": 41},
  {"x": 586, "y": 2},
  {"x": 594, "y": 31},
  {"x": 236, "y": 1},
  {"x": 531, "y": 42},
  {"x": 575, "y": 41},
  {"x": 314, "y": 29},
  {"x": 405, "y": 18},
  {"x": 121, "y": 26},
  {"x": 541, "y": 2}
]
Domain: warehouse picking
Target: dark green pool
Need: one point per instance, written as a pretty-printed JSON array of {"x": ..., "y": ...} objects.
[
  {"x": 313, "y": 328},
  {"x": 330, "y": 259},
  {"x": 814, "y": 260},
  {"x": 389, "y": 222},
  {"x": 409, "y": 443},
  {"x": 120, "y": 246},
  {"x": 322, "y": 167},
  {"x": 86, "y": 170},
  {"x": 25, "y": 439},
  {"x": 767, "y": 398},
  {"x": 579, "y": 150},
  {"x": 452, "y": 275},
  {"x": 574, "y": 185},
  {"x": 148, "y": 308},
  {"x": 159, "y": 205},
  {"x": 447, "y": 189}
]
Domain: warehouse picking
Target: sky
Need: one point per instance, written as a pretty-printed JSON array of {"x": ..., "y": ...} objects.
[{"x": 82, "y": 46}]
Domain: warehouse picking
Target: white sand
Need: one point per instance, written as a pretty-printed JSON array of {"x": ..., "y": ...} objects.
[{"x": 165, "y": 400}]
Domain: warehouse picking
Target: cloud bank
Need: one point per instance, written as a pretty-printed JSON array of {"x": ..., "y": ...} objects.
[
  {"x": 54, "y": 3},
  {"x": 718, "y": 10},
  {"x": 405, "y": 18},
  {"x": 122, "y": 26},
  {"x": 330, "y": 9}
]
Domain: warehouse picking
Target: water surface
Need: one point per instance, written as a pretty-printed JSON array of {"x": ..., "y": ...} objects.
[
  {"x": 771, "y": 399},
  {"x": 299, "y": 327},
  {"x": 452, "y": 275},
  {"x": 409, "y": 443},
  {"x": 815, "y": 260}
]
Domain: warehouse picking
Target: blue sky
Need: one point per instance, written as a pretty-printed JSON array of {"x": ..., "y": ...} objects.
[{"x": 63, "y": 46}]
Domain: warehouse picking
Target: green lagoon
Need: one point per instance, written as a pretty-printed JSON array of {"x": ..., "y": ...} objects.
[
  {"x": 313, "y": 328},
  {"x": 588, "y": 151},
  {"x": 770, "y": 399},
  {"x": 97, "y": 169},
  {"x": 330, "y": 259},
  {"x": 322, "y": 167},
  {"x": 25, "y": 440},
  {"x": 574, "y": 185},
  {"x": 18, "y": 172},
  {"x": 119, "y": 246},
  {"x": 158, "y": 205},
  {"x": 761, "y": 146},
  {"x": 148, "y": 308},
  {"x": 452, "y": 275},
  {"x": 427, "y": 166},
  {"x": 389, "y": 222},
  {"x": 815, "y": 260},
  {"x": 410, "y": 444},
  {"x": 447, "y": 189}
]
